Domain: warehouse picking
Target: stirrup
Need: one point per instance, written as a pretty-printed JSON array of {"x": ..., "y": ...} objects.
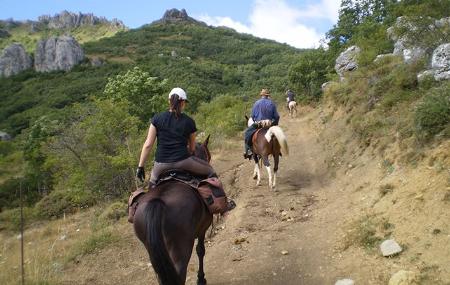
[{"x": 230, "y": 205}]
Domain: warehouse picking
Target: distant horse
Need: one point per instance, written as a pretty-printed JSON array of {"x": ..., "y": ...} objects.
[
  {"x": 167, "y": 221},
  {"x": 267, "y": 141},
  {"x": 292, "y": 106}
]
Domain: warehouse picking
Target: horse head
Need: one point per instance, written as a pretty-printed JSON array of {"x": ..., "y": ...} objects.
[{"x": 202, "y": 151}]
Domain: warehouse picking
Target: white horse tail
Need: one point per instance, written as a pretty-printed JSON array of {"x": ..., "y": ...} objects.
[{"x": 279, "y": 134}]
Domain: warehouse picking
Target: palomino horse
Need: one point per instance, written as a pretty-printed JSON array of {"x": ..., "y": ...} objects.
[
  {"x": 267, "y": 141},
  {"x": 292, "y": 106},
  {"x": 168, "y": 219}
]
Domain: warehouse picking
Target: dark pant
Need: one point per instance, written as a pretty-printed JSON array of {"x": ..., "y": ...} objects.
[
  {"x": 192, "y": 164},
  {"x": 248, "y": 137}
]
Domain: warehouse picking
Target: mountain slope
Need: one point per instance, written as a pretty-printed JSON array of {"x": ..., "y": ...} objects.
[{"x": 206, "y": 61}]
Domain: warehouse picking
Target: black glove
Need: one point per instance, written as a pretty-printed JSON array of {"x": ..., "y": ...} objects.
[{"x": 140, "y": 173}]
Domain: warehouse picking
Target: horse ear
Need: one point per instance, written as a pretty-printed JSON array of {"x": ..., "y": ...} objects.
[
  {"x": 205, "y": 143},
  {"x": 246, "y": 118}
]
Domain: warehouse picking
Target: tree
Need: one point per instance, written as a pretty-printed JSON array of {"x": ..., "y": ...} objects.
[
  {"x": 143, "y": 92},
  {"x": 98, "y": 151},
  {"x": 309, "y": 73}
]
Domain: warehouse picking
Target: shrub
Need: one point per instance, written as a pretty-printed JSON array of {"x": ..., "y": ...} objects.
[
  {"x": 96, "y": 241},
  {"x": 60, "y": 202},
  {"x": 432, "y": 116},
  {"x": 114, "y": 212},
  {"x": 10, "y": 219}
]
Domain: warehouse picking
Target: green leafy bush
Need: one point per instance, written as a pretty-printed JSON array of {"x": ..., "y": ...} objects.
[
  {"x": 432, "y": 116},
  {"x": 61, "y": 202},
  {"x": 114, "y": 212},
  {"x": 223, "y": 117}
]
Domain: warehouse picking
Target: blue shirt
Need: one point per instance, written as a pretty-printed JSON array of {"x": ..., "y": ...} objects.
[{"x": 265, "y": 109}]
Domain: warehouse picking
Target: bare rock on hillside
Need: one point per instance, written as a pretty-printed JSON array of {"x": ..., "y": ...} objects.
[
  {"x": 69, "y": 20},
  {"x": 57, "y": 53},
  {"x": 404, "y": 46},
  {"x": 347, "y": 61},
  {"x": 440, "y": 62},
  {"x": 13, "y": 60},
  {"x": 404, "y": 277},
  {"x": 176, "y": 16}
]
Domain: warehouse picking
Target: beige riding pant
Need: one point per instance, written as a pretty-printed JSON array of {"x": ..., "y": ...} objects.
[{"x": 192, "y": 164}]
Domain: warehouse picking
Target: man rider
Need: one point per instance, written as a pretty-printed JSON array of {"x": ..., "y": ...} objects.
[{"x": 263, "y": 109}]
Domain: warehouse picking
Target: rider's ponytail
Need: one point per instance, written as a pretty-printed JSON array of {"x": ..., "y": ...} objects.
[{"x": 175, "y": 105}]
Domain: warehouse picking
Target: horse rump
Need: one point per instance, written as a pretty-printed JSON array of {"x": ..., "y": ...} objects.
[{"x": 159, "y": 257}]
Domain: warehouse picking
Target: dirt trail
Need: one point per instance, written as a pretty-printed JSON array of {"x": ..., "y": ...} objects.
[{"x": 325, "y": 184}]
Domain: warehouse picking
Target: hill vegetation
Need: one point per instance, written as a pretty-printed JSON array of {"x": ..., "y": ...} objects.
[{"x": 77, "y": 134}]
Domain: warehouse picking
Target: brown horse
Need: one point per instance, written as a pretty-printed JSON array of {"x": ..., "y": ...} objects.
[
  {"x": 167, "y": 221},
  {"x": 267, "y": 141}
]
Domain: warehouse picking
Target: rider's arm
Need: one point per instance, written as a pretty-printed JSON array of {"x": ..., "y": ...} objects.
[
  {"x": 276, "y": 116},
  {"x": 147, "y": 147},
  {"x": 191, "y": 145}
]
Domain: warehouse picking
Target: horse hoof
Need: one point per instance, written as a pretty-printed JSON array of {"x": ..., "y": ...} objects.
[
  {"x": 255, "y": 177},
  {"x": 201, "y": 282}
]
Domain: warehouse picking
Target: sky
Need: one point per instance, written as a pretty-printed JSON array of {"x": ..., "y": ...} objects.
[{"x": 299, "y": 23}]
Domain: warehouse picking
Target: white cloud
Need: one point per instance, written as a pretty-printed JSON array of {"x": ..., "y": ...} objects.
[{"x": 277, "y": 20}]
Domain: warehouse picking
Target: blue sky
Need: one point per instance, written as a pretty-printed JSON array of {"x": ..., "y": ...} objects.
[{"x": 300, "y": 23}]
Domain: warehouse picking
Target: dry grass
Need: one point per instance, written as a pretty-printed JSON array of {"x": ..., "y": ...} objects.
[{"x": 51, "y": 247}]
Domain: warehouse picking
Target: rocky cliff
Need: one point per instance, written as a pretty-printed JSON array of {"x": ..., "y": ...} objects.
[
  {"x": 13, "y": 60},
  {"x": 57, "y": 53}
]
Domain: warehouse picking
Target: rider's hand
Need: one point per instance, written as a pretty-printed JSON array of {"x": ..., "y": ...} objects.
[{"x": 140, "y": 173}]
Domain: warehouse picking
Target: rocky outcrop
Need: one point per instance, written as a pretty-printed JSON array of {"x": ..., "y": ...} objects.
[
  {"x": 403, "y": 45},
  {"x": 176, "y": 16},
  {"x": 440, "y": 65},
  {"x": 440, "y": 62},
  {"x": 57, "y": 53},
  {"x": 13, "y": 60},
  {"x": 347, "y": 61},
  {"x": 69, "y": 20}
]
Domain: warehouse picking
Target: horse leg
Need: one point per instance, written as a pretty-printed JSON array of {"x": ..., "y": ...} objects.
[
  {"x": 276, "y": 160},
  {"x": 256, "y": 172},
  {"x": 201, "y": 253},
  {"x": 269, "y": 171}
]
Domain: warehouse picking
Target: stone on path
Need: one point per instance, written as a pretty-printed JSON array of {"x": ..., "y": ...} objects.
[
  {"x": 404, "y": 277},
  {"x": 345, "y": 282},
  {"x": 390, "y": 247}
]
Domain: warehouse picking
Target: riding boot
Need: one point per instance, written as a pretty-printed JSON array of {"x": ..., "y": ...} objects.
[{"x": 247, "y": 152}]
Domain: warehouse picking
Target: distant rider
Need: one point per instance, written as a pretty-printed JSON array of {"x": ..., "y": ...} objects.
[
  {"x": 290, "y": 96},
  {"x": 263, "y": 109}
]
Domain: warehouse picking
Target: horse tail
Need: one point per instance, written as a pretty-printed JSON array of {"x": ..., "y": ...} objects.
[
  {"x": 161, "y": 262},
  {"x": 279, "y": 134}
]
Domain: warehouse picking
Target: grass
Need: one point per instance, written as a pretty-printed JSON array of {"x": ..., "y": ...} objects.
[
  {"x": 367, "y": 232},
  {"x": 50, "y": 247},
  {"x": 93, "y": 243}
]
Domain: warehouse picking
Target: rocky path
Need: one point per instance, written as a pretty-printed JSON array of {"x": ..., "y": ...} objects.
[{"x": 275, "y": 237}]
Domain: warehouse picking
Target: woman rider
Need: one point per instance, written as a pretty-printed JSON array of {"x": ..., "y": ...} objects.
[{"x": 176, "y": 133}]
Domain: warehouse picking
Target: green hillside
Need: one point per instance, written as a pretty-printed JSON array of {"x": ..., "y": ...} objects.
[
  {"x": 24, "y": 34},
  {"x": 78, "y": 134},
  {"x": 44, "y": 110}
]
